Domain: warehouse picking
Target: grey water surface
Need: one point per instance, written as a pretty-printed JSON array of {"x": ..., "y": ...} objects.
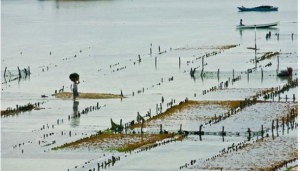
[{"x": 102, "y": 40}]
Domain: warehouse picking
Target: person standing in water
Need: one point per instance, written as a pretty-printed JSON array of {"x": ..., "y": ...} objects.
[{"x": 75, "y": 89}]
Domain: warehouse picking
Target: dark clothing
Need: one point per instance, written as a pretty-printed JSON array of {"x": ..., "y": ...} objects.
[{"x": 75, "y": 93}]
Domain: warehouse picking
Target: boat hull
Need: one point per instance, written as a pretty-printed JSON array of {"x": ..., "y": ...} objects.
[
  {"x": 258, "y": 9},
  {"x": 285, "y": 73},
  {"x": 258, "y": 25}
]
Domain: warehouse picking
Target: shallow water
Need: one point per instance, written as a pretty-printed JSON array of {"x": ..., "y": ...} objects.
[{"x": 111, "y": 35}]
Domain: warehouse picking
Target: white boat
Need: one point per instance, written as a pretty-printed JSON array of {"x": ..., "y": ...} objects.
[{"x": 258, "y": 25}]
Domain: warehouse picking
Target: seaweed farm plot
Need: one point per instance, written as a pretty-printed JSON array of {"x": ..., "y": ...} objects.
[
  {"x": 117, "y": 142},
  {"x": 253, "y": 117},
  {"x": 190, "y": 114},
  {"x": 233, "y": 93},
  {"x": 156, "y": 157},
  {"x": 276, "y": 152}
]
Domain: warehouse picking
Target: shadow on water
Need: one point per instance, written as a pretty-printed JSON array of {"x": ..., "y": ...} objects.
[{"x": 74, "y": 119}]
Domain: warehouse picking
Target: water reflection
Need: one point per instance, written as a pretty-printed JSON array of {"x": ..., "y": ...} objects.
[
  {"x": 251, "y": 30},
  {"x": 289, "y": 79},
  {"x": 15, "y": 75},
  {"x": 75, "y": 118}
]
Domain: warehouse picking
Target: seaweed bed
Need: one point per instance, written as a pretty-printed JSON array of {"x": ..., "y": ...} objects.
[
  {"x": 118, "y": 142},
  {"x": 262, "y": 148},
  {"x": 67, "y": 95},
  {"x": 180, "y": 112}
]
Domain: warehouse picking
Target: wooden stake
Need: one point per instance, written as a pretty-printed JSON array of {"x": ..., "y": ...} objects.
[
  {"x": 277, "y": 63},
  {"x": 142, "y": 126},
  {"x": 200, "y": 133},
  {"x": 294, "y": 97},
  {"x": 223, "y": 133},
  {"x": 19, "y": 72},
  {"x": 160, "y": 129},
  {"x": 248, "y": 75},
  {"x": 277, "y": 127},
  {"x": 5, "y": 71},
  {"x": 272, "y": 128},
  {"x": 180, "y": 131},
  {"x": 262, "y": 132},
  {"x": 282, "y": 125},
  {"x": 249, "y": 134}
]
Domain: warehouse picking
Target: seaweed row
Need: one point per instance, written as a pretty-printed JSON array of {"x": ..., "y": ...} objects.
[
  {"x": 280, "y": 165},
  {"x": 277, "y": 91},
  {"x": 141, "y": 119},
  {"x": 111, "y": 161},
  {"x": 290, "y": 121},
  {"x": 253, "y": 100},
  {"x": 242, "y": 105},
  {"x": 241, "y": 145},
  {"x": 267, "y": 55},
  {"x": 19, "y": 108},
  {"x": 200, "y": 48},
  {"x": 21, "y": 74},
  {"x": 193, "y": 70},
  {"x": 86, "y": 110},
  {"x": 246, "y": 103},
  {"x": 26, "y": 71},
  {"x": 222, "y": 85}
]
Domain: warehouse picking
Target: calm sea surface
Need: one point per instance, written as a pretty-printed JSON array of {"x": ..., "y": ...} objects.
[{"x": 102, "y": 40}]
